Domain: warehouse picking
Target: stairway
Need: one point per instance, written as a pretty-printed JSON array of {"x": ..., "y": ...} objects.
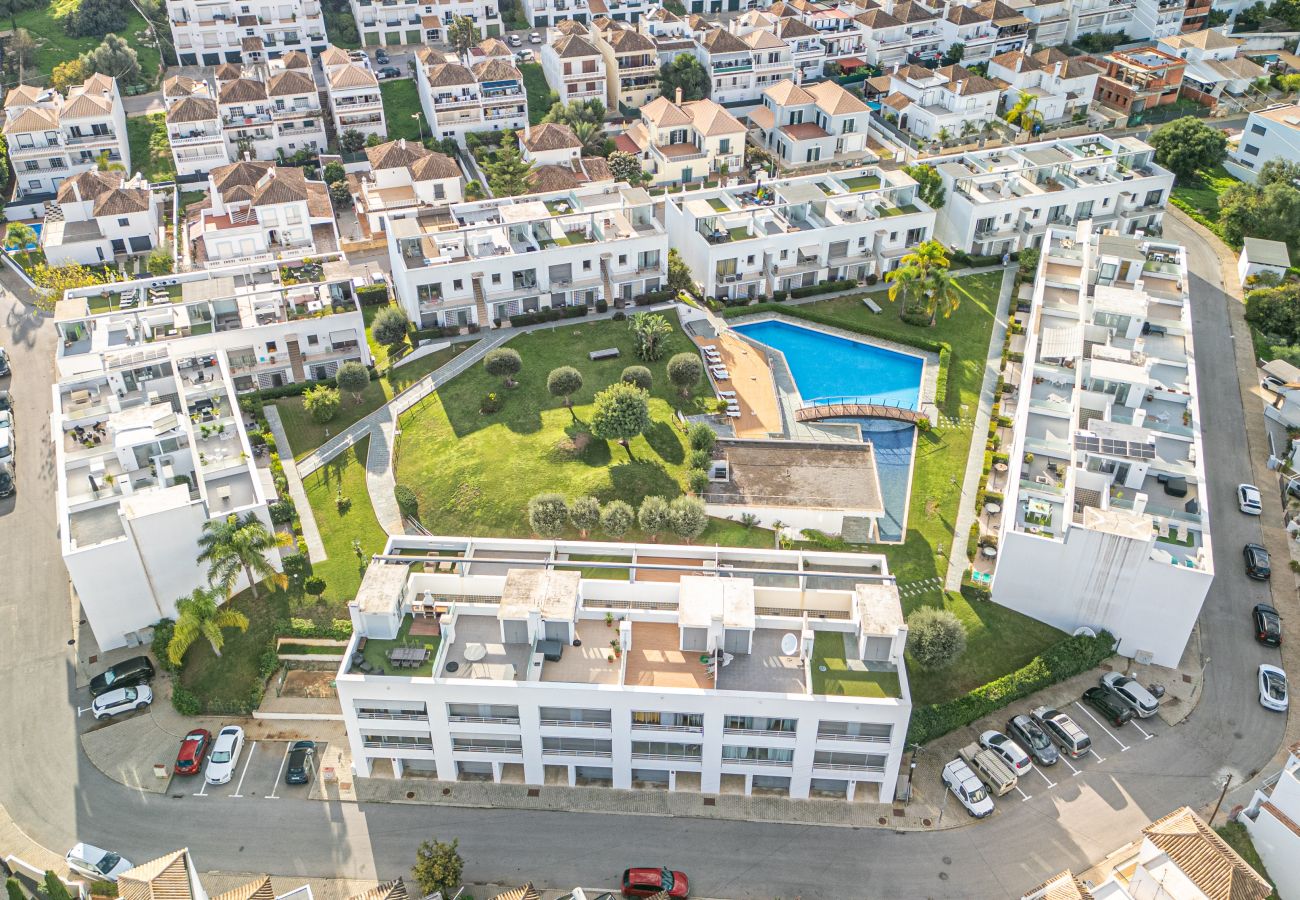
[
  {"x": 484, "y": 320},
  {"x": 606, "y": 278},
  {"x": 295, "y": 359}
]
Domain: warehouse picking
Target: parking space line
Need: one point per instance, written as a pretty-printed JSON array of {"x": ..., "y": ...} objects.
[
  {"x": 1145, "y": 736},
  {"x": 1122, "y": 746},
  {"x": 203, "y": 791},
  {"x": 275, "y": 787},
  {"x": 1094, "y": 753},
  {"x": 1023, "y": 795},
  {"x": 239, "y": 787},
  {"x": 1050, "y": 782},
  {"x": 1065, "y": 759}
]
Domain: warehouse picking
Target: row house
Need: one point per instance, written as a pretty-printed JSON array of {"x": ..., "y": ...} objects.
[
  {"x": 149, "y": 445},
  {"x": 259, "y": 211},
  {"x": 1062, "y": 86},
  {"x": 194, "y": 128},
  {"x": 697, "y": 696},
  {"x": 753, "y": 240},
  {"x": 807, "y": 124},
  {"x": 741, "y": 68},
  {"x": 210, "y": 32},
  {"x": 265, "y": 111},
  {"x": 52, "y": 138},
  {"x": 405, "y": 180},
  {"x": 1215, "y": 65},
  {"x": 488, "y": 96},
  {"x": 685, "y": 141},
  {"x": 1004, "y": 200},
  {"x": 575, "y": 68},
  {"x": 599, "y": 242},
  {"x": 952, "y": 99},
  {"x": 98, "y": 216},
  {"x": 1049, "y": 22},
  {"x": 397, "y": 22},
  {"x": 985, "y": 30},
  {"x": 908, "y": 32},
  {"x": 631, "y": 64},
  {"x": 670, "y": 33},
  {"x": 551, "y": 13},
  {"x": 558, "y": 164},
  {"x": 1140, "y": 79},
  {"x": 355, "y": 101}
]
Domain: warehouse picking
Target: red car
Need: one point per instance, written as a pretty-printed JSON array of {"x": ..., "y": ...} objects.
[
  {"x": 648, "y": 882},
  {"x": 195, "y": 746}
]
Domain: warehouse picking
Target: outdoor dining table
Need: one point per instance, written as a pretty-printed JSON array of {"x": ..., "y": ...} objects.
[{"x": 406, "y": 654}]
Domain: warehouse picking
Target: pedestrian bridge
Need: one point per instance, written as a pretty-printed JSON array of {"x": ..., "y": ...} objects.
[{"x": 856, "y": 407}]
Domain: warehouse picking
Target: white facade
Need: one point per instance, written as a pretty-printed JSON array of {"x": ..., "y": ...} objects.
[
  {"x": 683, "y": 142},
  {"x": 52, "y": 138},
  {"x": 951, "y": 100},
  {"x": 852, "y": 223},
  {"x": 1271, "y": 817},
  {"x": 1214, "y": 64},
  {"x": 1272, "y": 133},
  {"x": 489, "y": 96},
  {"x": 985, "y": 29},
  {"x": 742, "y": 66},
  {"x": 574, "y": 68},
  {"x": 405, "y": 181},
  {"x": 1106, "y": 465},
  {"x": 355, "y": 101},
  {"x": 1062, "y": 86},
  {"x": 98, "y": 216},
  {"x": 702, "y": 684},
  {"x": 1109, "y": 16},
  {"x": 1260, "y": 256},
  {"x": 420, "y": 21},
  {"x": 999, "y": 201},
  {"x": 212, "y": 32},
  {"x": 521, "y": 254},
  {"x": 1156, "y": 19},
  {"x": 805, "y": 125},
  {"x": 194, "y": 127}
]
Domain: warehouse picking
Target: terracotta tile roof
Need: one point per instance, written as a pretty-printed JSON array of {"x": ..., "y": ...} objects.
[
  {"x": 907, "y": 13},
  {"x": 241, "y": 90},
  {"x": 435, "y": 167},
  {"x": 178, "y": 86},
  {"x": 527, "y": 892},
  {"x": 763, "y": 40},
  {"x": 963, "y": 82},
  {"x": 87, "y": 106},
  {"x": 22, "y": 95},
  {"x": 260, "y": 889},
  {"x": 762, "y": 117},
  {"x": 495, "y": 47},
  {"x": 626, "y": 143},
  {"x": 231, "y": 178},
  {"x": 281, "y": 185},
  {"x": 1063, "y": 886},
  {"x": 719, "y": 40},
  {"x": 496, "y": 70},
  {"x": 964, "y": 15},
  {"x": 99, "y": 83},
  {"x": 1206, "y": 39},
  {"x": 786, "y": 93},
  {"x": 793, "y": 28},
  {"x": 449, "y": 75},
  {"x": 660, "y": 14},
  {"x": 352, "y": 75},
  {"x": 624, "y": 40},
  {"x": 897, "y": 102},
  {"x": 877, "y": 18},
  {"x": 228, "y": 71},
  {"x": 395, "y": 154},
  {"x": 251, "y": 44},
  {"x": 571, "y": 46},
  {"x": 663, "y": 113},
  {"x": 546, "y": 179},
  {"x": 122, "y": 201},
  {"x": 334, "y": 56},
  {"x": 569, "y": 26},
  {"x": 34, "y": 118},
  {"x": 290, "y": 82},
  {"x": 711, "y": 119},
  {"x": 318, "y": 201},
  {"x": 551, "y": 136},
  {"x": 597, "y": 168},
  {"x": 192, "y": 109},
  {"x": 1205, "y": 858},
  {"x": 165, "y": 878},
  {"x": 879, "y": 84},
  {"x": 835, "y": 100},
  {"x": 295, "y": 59},
  {"x": 88, "y": 185},
  {"x": 392, "y": 890}
]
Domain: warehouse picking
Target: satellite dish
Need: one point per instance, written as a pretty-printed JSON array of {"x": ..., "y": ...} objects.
[
  {"x": 1084, "y": 631},
  {"x": 789, "y": 644}
]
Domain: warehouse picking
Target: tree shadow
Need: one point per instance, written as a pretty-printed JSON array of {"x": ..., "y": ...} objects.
[
  {"x": 665, "y": 442},
  {"x": 637, "y": 479}
]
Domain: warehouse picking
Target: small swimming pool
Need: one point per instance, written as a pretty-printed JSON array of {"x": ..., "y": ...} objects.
[
  {"x": 825, "y": 365},
  {"x": 35, "y": 227}
]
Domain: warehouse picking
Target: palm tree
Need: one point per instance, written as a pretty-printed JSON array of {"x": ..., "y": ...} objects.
[
  {"x": 591, "y": 135},
  {"x": 968, "y": 127},
  {"x": 104, "y": 164},
  {"x": 940, "y": 294},
  {"x": 20, "y": 237},
  {"x": 198, "y": 615},
  {"x": 926, "y": 256},
  {"x": 233, "y": 545},
  {"x": 906, "y": 284},
  {"x": 944, "y": 136}
]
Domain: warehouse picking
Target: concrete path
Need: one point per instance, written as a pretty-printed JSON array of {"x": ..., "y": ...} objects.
[
  {"x": 958, "y": 562},
  {"x": 297, "y": 493},
  {"x": 379, "y": 474}
]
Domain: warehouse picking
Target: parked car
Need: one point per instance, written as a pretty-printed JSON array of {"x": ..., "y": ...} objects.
[
  {"x": 1132, "y": 694},
  {"x": 301, "y": 763},
  {"x": 1064, "y": 732},
  {"x": 515, "y": 40},
  {"x": 534, "y": 38},
  {"x": 1249, "y": 500},
  {"x": 1029, "y": 736},
  {"x": 647, "y": 882},
  {"x": 1112, "y": 709},
  {"x": 1257, "y": 563},
  {"x": 136, "y": 670},
  {"x": 390, "y": 72},
  {"x": 1012, "y": 753},
  {"x": 96, "y": 864},
  {"x": 121, "y": 700},
  {"x": 525, "y": 55},
  {"x": 968, "y": 789},
  {"x": 7, "y": 445},
  {"x": 1268, "y": 625},
  {"x": 6, "y": 402},
  {"x": 225, "y": 755},
  {"x": 195, "y": 746},
  {"x": 1272, "y": 688},
  {"x": 6, "y": 479},
  {"x": 4, "y": 362},
  {"x": 381, "y": 57}
]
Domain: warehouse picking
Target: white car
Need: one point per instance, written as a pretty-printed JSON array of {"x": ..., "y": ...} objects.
[
  {"x": 1131, "y": 694},
  {"x": 515, "y": 40},
  {"x": 1249, "y": 500},
  {"x": 1012, "y": 753},
  {"x": 96, "y": 864},
  {"x": 534, "y": 38},
  {"x": 968, "y": 789},
  {"x": 225, "y": 755},
  {"x": 121, "y": 700},
  {"x": 1272, "y": 688}
]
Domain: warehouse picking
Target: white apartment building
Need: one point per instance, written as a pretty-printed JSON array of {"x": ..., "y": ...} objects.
[
  {"x": 1272, "y": 133},
  {"x": 1109, "y": 16},
  {"x": 520, "y": 254},
  {"x": 456, "y": 100},
  {"x": 685, "y": 141},
  {"x": 805, "y": 125},
  {"x": 845, "y": 224},
  {"x": 574, "y": 68},
  {"x": 256, "y": 211},
  {"x": 390, "y": 23},
  {"x": 264, "y": 111},
  {"x": 355, "y": 101},
  {"x": 1177, "y": 857},
  {"x": 1002, "y": 200},
  {"x": 741, "y": 67},
  {"x": 1156, "y": 19},
  {"x": 194, "y": 128},
  {"x": 985, "y": 29},
  {"x": 669, "y": 32},
  {"x": 405, "y": 181},
  {"x": 684, "y": 669},
  {"x": 1049, "y": 21},
  {"x": 52, "y": 138},
  {"x": 98, "y": 216},
  {"x": 211, "y": 32},
  {"x": 1105, "y": 487},
  {"x": 1271, "y": 818},
  {"x": 1062, "y": 86}
]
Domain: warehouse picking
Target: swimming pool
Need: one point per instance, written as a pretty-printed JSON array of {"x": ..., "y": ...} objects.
[
  {"x": 825, "y": 365},
  {"x": 36, "y": 228}
]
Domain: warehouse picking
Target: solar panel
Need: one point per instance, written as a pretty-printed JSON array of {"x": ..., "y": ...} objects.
[{"x": 1113, "y": 446}]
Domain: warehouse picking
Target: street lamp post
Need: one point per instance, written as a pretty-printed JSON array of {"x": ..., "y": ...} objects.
[{"x": 419, "y": 118}]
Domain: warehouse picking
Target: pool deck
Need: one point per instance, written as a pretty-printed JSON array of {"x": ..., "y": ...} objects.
[{"x": 751, "y": 379}]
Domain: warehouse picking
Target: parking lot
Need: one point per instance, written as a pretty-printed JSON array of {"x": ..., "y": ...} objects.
[{"x": 259, "y": 776}]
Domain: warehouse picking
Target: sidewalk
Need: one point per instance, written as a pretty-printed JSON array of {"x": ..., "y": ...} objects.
[
  {"x": 310, "y": 533},
  {"x": 380, "y": 483}
]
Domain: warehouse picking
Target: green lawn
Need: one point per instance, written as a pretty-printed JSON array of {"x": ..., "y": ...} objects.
[
  {"x": 340, "y": 527},
  {"x": 225, "y": 682},
  {"x": 839, "y": 680},
  {"x": 1199, "y": 197},
  {"x": 138, "y": 131},
  {"x": 376, "y": 651},
  {"x": 540, "y": 95},
  {"x": 401, "y": 103},
  {"x": 55, "y": 46},
  {"x": 860, "y": 183},
  {"x": 1238, "y": 838}
]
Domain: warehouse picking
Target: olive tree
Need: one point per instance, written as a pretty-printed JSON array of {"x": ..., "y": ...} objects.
[
  {"x": 622, "y": 411},
  {"x": 685, "y": 371},
  {"x": 353, "y": 378},
  {"x": 390, "y": 326},
  {"x": 616, "y": 518},
  {"x": 547, "y": 515},
  {"x": 584, "y": 513},
  {"x": 687, "y": 518},
  {"x": 639, "y": 376},
  {"x": 935, "y": 637},
  {"x": 564, "y": 382},
  {"x": 654, "y": 516},
  {"x": 504, "y": 363},
  {"x": 322, "y": 402}
]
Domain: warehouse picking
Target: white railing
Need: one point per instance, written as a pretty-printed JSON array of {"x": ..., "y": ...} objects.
[
  {"x": 574, "y": 723},
  {"x": 485, "y": 720}
]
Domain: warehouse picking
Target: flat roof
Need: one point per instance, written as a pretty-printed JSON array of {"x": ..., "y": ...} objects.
[
  {"x": 703, "y": 598},
  {"x": 787, "y": 473},
  {"x": 1266, "y": 252},
  {"x": 879, "y": 609},
  {"x": 551, "y": 592},
  {"x": 381, "y": 587}
]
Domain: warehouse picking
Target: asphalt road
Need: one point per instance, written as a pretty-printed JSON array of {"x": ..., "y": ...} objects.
[{"x": 49, "y": 788}]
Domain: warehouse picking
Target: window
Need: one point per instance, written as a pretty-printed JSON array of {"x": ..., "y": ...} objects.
[
  {"x": 270, "y": 346},
  {"x": 758, "y": 754},
  {"x": 586, "y": 265},
  {"x": 915, "y": 236},
  {"x": 665, "y": 750},
  {"x": 814, "y": 154},
  {"x": 1154, "y": 198},
  {"x": 622, "y": 259},
  {"x": 32, "y": 165},
  {"x": 726, "y": 268},
  {"x": 849, "y": 126},
  {"x": 1251, "y": 149},
  {"x": 724, "y": 145},
  {"x": 1258, "y": 129},
  {"x": 313, "y": 340},
  {"x": 496, "y": 277},
  {"x": 457, "y": 284},
  {"x": 123, "y": 222}
]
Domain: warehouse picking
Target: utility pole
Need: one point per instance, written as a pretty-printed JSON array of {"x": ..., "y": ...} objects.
[{"x": 1223, "y": 793}]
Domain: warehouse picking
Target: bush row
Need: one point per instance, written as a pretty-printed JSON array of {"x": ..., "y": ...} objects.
[
  {"x": 825, "y": 287},
  {"x": 297, "y": 389},
  {"x": 337, "y": 629},
  {"x": 553, "y": 314},
  {"x": 372, "y": 295},
  {"x": 1062, "y": 660}
]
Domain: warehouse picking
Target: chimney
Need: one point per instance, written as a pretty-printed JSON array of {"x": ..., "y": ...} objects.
[
  {"x": 401, "y": 143},
  {"x": 679, "y": 96},
  {"x": 528, "y": 130}
]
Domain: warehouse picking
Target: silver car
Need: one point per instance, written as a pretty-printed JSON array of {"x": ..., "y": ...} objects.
[{"x": 1131, "y": 694}]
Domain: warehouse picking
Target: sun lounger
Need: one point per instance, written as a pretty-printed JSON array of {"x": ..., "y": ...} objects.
[
  {"x": 722, "y": 375},
  {"x": 709, "y": 348},
  {"x": 733, "y": 414},
  {"x": 726, "y": 394},
  {"x": 871, "y": 305}
]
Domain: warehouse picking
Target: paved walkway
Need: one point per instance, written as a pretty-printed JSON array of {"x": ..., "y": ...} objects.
[
  {"x": 380, "y": 482},
  {"x": 297, "y": 493},
  {"x": 957, "y": 559}
]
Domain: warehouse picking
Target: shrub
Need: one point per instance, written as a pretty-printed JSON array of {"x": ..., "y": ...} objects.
[
  {"x": 697, "y": 481},
  {"x": 780, "y": 296},
  {"x": 503, "y": 363},
  {"x": 639, "y": 376},
  {"x": 296, "y": 568},
  {"x": 353, "y": 378},
  {"x": 372, "y": 294},
  {"x": 653, "y": 516},
  {"x": 407, "y": 502},
  {"x": 616, "y": 518},
  {"x": 699, "y": 459},
  {"x": 390, "y": 326},
  {"x": 701, "y": 436},
  {"x": 322, "y": 402},
  {"x": 935, "y": 637},
  {"x": 282, "y": 512},
  {"x": 825, "y": 287},
  {"x": 184, "y": 701},
  {"x": 687, "y": 518},
  {"x": 314, "y": 586},
  {"x": 650, "y": 298},
  {"x": 619, "y": 316},
  {"x": 621, "y": 412},
  {"x": 547, "y": 515},
  {"x": 491, "y": 403},
  {"x": 162, "y": 638},
  {"x": 685, "y": 370},
  {"x": 564, "y": 382},
  {"x": 337, "y": 629},
  {"x": 602, "y": 306}
]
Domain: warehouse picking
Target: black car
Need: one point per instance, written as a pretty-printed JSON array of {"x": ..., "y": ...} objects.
[
  {"x": 6, "y": 402},
  {"x": 381, "y": 57},
  {"x": 1268, "y": 625},
  {"x": 4, "y": 362},
  {"x": 1111, "y": 707},
  {"x": 1257, "y": 565},
  {"x": 136, "y": 670},
  {"x": 1025, "y": 732},
  {"x": 300, "y": 766},
  {"x": 6, "y": 481},
  {"x": 390, "y": 72}
]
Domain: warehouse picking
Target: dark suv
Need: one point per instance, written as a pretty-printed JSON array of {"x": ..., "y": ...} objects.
[
  {"x": 1111, "y": 707},
  {"x": 299, "y": 768},
  {"x": 133, "y": 671},
  {"x": 1268, "y": 625},
  {"x": 1257, "y": 564}
]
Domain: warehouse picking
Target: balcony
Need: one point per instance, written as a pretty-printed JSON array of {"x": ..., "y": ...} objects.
[
  {"x": 350, "y": 106},
  {"x": 193, "y": 138},
  {"x": 242, "y": 121},
  {"x": 71, "y": 140},
  {"x": 730, "y": 68}
]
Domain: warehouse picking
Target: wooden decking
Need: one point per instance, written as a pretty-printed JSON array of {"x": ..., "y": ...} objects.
[
  {"x": 860, "y": 410},
  {"x": 655, "y": 661},
  {"x": 751, "y": 379}
]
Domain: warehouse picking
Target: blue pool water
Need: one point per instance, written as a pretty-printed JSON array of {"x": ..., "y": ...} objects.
[
  {"x": 824, "y": 365},
  {"x": 36, "y": 227}
]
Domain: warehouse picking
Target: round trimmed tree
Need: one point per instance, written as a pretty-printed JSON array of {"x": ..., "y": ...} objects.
[
  {"x": 697, "y": 480},
  {"x": 504, "y": 363},
  {"x": 547, "y": 515},
  {"x": 564, "y": 382},
  {"x": 687, "y": 518},
  {"x": 322, "y": 402},
  {"x": 935, "y": 637},
  {"x": 639, "y": 376},
  {"x": 390, "y": 326},
  {"x": 701, "y": 436},
  {"x": 685, "y": 371},
  {"x": 654, "y": 516},
  {"x": 616, "y": 518},
  {"x": 622, "y": 411},
  {"x": 353, "y": 378},
  {"x": 584, "y": 513}
]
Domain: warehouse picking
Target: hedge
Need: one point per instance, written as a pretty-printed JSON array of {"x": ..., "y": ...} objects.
[
  {"x": 825, "y": 287},
  {"x": 650, "y": 298},
  {"x": 372, "y": 294},
  {"x": 1062, "y": 660},
  {"x": 338, "y": 629},
  {"x": 297, "y": 389},
  {"x": 551, "y": 314},
  {"x": 940, "y": 347}
]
